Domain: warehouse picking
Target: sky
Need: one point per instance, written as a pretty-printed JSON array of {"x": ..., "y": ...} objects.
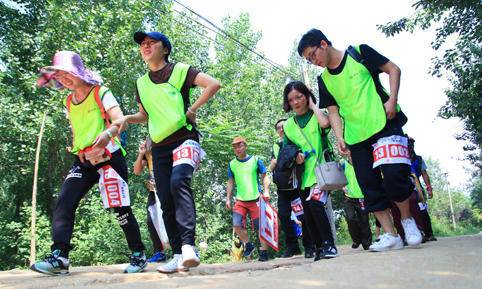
[{"x": 352, "y": 22}]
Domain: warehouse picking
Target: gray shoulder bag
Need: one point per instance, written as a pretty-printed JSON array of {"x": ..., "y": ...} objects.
[{"x": 329, "y": 175}]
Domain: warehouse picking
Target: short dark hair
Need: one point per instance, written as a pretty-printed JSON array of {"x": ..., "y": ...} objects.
[
  {"x": 299, "y": 86},
  {"x": 278, "y": 121},
  {"x": 311, "y": 38}
]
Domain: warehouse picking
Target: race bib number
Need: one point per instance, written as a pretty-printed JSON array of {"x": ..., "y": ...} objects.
[
  {"x": 189, "y": 152},
  {"x": 391, "y": 150},
  {"x": 316, "y": 194},
  {"x": 113, "y": 189},
  {"x": 297, "y": 207},
  {"x": 268, "y": 224}
]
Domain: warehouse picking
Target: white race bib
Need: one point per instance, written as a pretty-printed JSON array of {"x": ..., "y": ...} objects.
[
  {"x": 189, "y": 152},
  {"x": 297, "y": 207},
  {"x": 113, "y": 189},
  {"x": 391, "y": 150}
]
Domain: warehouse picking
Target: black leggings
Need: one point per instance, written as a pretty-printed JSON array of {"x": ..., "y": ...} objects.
[
  {"x": 81, "y": 178},
  {"x": 284, "y": 211},
  {"x": 358, "y": 222},
  {"x": 174, "y": 190},
  {"x": 317, "y": 220}
]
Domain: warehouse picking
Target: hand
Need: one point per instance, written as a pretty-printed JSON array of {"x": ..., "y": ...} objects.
[
  {"x": 266, "y": 196},
  {"x": 311, "y": 104},
  {"x": 390, "y": 108},
  {"x": 430, "y": 192},
  {"x": 142, "y": 148},
  {"x": 228, "y": 204},
  {"x": 191, "y": 115},
  {"x": 300, "y": 158},
  {"x": 342, "y": 147},
  {"x": 298, "y": 222},
  {"x": 121, "y": 123},
  {"x": 101, "y": 141}
]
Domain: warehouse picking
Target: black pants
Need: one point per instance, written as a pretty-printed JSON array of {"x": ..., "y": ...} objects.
[
  {"x": 156, "y": 242},
  {"x": 81, "y": 178},
  {"x": 316, "y": 221},
  {"x": 427, "y": 223},
  {"x": 358, "y": 222},
  {"x": 173, "y": 186},
  {"x": 385, "y": 183},
  {"x": 284, "y": 211}
]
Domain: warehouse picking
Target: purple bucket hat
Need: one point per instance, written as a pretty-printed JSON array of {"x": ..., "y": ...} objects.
[{"x": 70, "y": 62}]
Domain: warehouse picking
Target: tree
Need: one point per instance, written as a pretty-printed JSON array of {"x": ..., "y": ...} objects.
[{"x": 461, "y": 19}]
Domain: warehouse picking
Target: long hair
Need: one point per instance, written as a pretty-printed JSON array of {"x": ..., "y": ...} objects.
[{"x": 299, "y": 86}]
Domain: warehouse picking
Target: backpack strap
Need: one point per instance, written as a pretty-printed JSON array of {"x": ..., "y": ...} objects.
[
  {"x": 98, "y": 100},
  {"x": 359, "y": 58}
]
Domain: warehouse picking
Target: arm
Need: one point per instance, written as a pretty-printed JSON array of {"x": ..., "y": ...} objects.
[
  {"x": 426, "y": 180},
  {"x": 140, "y": 163},
  {"x": 272, "y": 164},
  {"x": 229, "y": 193},
  {"x": 323, "y": 120},
  {"x": 394, "y": 73},
  {"x": 114, "y": 113},
  {"x": 265, "y": 180},
  {"x": 139, "y": 117},
  {"x": 210, "y": 85},
  {"x": 335, "y": 121}
]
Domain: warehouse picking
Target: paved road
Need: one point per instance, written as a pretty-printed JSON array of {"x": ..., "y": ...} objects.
[{"x": 450, "y": 263}]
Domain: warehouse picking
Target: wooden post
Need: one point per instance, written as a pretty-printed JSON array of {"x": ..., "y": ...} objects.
[{"x": 34, "y": 192}]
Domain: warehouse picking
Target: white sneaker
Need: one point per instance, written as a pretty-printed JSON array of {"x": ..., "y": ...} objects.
[
  {"x": 189, "y": 256},
  {"x": 387, "y": 242},
  {"x": 412, "y": 233},
  {"x": 173, "y": 266}
]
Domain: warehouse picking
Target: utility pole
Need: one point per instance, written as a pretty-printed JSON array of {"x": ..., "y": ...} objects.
[
  {"x": 450, "y": 201},
  {"x": 34, "y": 192}
]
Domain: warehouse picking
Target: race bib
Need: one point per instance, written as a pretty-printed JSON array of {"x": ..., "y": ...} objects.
[
  {"x": 268, "y": 224},
  {"x": 113, "y": 189},
  {"x": 316, "y": 194},
  {"x": 297, "y": 207},
  {"x": 391, "y": 150},
  {"x": 189, "y": 152}
]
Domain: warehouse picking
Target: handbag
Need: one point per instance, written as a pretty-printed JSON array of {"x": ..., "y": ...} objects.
[{"x": 329, "y": 175}]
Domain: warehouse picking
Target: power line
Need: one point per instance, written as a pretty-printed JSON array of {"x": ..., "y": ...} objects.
[{"x": 227, "y": 35}]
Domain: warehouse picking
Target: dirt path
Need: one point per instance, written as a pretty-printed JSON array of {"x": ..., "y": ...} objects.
[{"x": 453, "y": 263}]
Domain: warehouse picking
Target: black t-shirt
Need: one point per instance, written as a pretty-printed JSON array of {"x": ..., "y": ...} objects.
[
  {"x": 373, "y": 60},
  {"x": 162, "y": 76}
]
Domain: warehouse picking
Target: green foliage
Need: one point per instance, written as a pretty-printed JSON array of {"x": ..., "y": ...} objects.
[{"x": 459, "y": 19}]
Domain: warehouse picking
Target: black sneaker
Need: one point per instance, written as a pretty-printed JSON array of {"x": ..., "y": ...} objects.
[
  {"x": 309, "y": 253},
  {"x": 366, "y": 246},
  {"x": 290, "y": 252},
  {"x": 248, "y": 249},
  {"x": 432, "y": 238},
  {"x": 53, "y": 264},
  {"x": 355, "y": 245},
  {"x": 263, "y": 256},
  {"x": 330, "y": 252},
  {"x": 319, "y": 254}
]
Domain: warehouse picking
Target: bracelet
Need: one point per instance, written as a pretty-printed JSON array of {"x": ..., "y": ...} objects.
[{"x": 109, "y": 133}]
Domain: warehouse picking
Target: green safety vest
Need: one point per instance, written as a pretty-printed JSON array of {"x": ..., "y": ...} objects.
[
  {"x": 359, "y": 103},
  {"x": 312, "y": 132},
  {"x": 354, "y": 190},
  {"x": 86, "y": 120},
  {"x": 246, "y": 178},
  {"x": 163, "y": 103},
  {"x": 276, "y": 149}
]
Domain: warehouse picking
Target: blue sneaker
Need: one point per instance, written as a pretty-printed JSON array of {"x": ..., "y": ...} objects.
[
  {"x": 137, "y": 263},
  {"x": 157, "y": 257},
  {"x": 248, "y": 249},
  {"x": 53, "y": 265}
]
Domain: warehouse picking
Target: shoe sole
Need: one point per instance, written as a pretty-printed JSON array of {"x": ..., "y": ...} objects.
[
  {"x": 386, "y": 249},
  {"x": 191, "y": 263},
  {"x": 171, "y": 272},
  {"x": 330, "y": 256},
  {"x": 35, "y": 269},
  {"x": 140, "y": 270}
]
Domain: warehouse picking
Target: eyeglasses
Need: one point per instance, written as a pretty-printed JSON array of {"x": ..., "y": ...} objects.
[{"x": 311, "y": 56}]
